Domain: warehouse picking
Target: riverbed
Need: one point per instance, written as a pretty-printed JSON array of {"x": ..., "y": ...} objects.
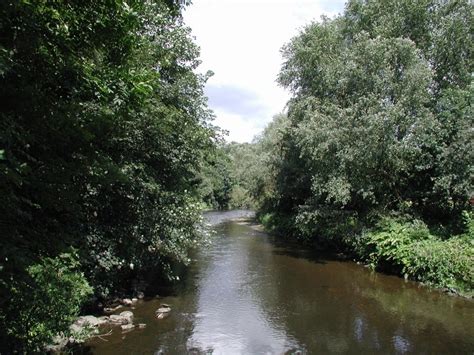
[{"x": 249, "y": 293}]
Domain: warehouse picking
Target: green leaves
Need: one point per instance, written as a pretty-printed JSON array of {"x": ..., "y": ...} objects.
[
  {"x": 53, "y": 291},
  {"x": 367, "y": 131},
  {"x": 409, "y": 248}
]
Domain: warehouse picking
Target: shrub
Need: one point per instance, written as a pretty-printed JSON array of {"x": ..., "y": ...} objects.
[
  {"x": 445, "y": 263},
  {"x": 43, "y": 303},
  {"x": 408, "y": 248}
]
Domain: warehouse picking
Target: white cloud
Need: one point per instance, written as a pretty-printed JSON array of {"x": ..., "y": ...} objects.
[
  {"x": 240, "y": 42},
  {"x": 240, "y": 128}
]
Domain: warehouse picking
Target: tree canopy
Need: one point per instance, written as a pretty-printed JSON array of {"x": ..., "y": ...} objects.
[{"x": 379, "y": 116}]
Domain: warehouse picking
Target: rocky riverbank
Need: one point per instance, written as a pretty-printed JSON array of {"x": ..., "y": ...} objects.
[{"x": 115, "y": 318}]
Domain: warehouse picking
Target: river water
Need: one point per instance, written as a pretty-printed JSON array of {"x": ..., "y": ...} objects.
[{"x": 249, "y": 293}]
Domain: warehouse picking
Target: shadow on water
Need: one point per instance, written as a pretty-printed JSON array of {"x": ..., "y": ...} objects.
[{"x": 247, "y": 292}]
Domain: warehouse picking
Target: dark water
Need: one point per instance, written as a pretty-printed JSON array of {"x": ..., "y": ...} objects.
[{"x": 246, "y": 293}]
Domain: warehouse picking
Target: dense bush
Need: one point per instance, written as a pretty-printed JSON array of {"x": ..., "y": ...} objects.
[
  {"x": 216, "y": 181},
  {"x": 43, "y": 303}
]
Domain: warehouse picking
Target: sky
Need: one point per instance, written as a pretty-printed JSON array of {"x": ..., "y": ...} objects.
[{"x": 240, "y": 42}]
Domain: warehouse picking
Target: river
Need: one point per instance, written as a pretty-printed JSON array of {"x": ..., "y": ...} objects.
[{"x": 249, "y": 293}]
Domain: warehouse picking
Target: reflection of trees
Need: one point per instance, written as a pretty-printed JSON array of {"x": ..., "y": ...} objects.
[
  {"x": 331, "y": 306},
  {"x": 261, "y": 296}
]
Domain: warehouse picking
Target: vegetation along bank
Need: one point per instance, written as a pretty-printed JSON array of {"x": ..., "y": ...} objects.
[
  {"x": 108, "y": 153},
  {"x": 104, "y": 127},
  {"x": 375, "y": 154}
]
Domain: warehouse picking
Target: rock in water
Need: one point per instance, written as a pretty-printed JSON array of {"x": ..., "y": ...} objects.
[
  {"x": 163, "y": 311},
  {"x": 122, "y": 318},
  {"x": 103, "y": 320},
  {"x": 75, "y": 329},
  {"x": 112, "y": 309},
  {"x": 85, "y": 321},
  {"x": 127, "y": 302},
  {"x": 128, "y": 316},
  {"x": 59, "y": 343},
  {"x": 127, "y": 326}
]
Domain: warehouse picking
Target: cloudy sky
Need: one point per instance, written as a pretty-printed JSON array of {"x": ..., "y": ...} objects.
[{"x": 240, "y": 42}]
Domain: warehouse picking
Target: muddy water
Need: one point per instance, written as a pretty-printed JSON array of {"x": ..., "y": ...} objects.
[{"x": 247, "y": 293}]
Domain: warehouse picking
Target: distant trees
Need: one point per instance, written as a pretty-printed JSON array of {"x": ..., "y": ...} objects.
[
  {"x": 226, "y": 177},
  {"x": 103, "y": 129},
  {"x": 241, "y": 175},
  {"x": 215, "y": 180}
]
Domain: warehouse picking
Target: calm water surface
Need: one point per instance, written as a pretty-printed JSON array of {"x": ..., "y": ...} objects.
[{"x": 247, "y": 293}]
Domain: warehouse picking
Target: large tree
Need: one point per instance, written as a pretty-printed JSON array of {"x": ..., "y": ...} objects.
[{"x": 381, "y": 113}]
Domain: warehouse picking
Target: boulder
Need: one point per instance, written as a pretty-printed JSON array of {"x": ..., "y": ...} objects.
[
  {"x": 140, "y": 295},
  {"x": 103, "y": 320},
  {"x": 59, "y": 343},
  {"x": 75, "y": 328},
  {"x": 115, "y": 318},
  {"x": 128, "y": 316},
  {"x": 112, "y": 309},
  {"x": 85, "y": 321},
  {"x": 120, "y": 319}
]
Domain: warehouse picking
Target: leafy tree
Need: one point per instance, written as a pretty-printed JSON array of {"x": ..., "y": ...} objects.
[
  {"x": 216, "y": 182},
  {"x": 369, "y": 127}
]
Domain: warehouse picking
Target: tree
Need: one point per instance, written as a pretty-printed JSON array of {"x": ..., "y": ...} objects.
[
  {"x": 104, "y": 128},
  {"x": 370, "y": 127}
]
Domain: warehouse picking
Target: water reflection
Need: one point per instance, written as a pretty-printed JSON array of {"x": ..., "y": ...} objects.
[
  {"x": 232, "y": 319},
  {"x": 247, "y": 293}
]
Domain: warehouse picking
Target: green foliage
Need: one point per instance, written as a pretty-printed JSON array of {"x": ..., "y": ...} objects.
[
  {"x": 391, "y": 241},
  {"x": 43, "y": 304},
  {"x": 408, "y": 247},
  {"x": 326, "y": 228},
  {"x": 216, "y": 181},
  {"x": 242, "y": 160},
  {"x": 240, "y": 198},
  {"x": 373, "y": 123},
  {"x": 240, "y": 175},
  {"x": 103, "y": 131},
  {"x": 468, "y": 222}
]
